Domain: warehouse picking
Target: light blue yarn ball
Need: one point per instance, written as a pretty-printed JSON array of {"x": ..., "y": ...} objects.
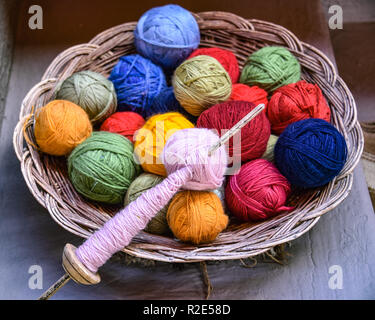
[
  {"x": 167, "y": 35},
  {"x": 137, "y": 82}
]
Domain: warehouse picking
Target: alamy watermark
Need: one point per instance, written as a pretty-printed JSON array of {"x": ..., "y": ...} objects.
[
  {"x": 36, "y": 19},
  {"x": 335, "y": 281},
  {"x": 336, "y": 19},
  {"x": 36, "y": 279}
]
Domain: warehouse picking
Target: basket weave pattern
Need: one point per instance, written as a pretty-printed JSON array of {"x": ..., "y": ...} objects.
[{"x": 47, "y": 179}]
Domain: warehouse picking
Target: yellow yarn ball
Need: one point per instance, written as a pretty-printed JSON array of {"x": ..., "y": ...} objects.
[
  {"x": 196, "y": 216},
  {"x": 201, "y": 82},
  {"x": 151, "y": 138},
  {"x": 60, "y": 126}
]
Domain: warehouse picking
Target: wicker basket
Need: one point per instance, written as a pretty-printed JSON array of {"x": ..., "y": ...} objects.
[{"x": 47, "y": 179}]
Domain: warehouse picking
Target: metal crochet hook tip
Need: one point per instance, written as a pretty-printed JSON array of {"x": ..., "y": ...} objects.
[
  {"x": 55, "y": 287},
  {"x": 237, "y": 127}
]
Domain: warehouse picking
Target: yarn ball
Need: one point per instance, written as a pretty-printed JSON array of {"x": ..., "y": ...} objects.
[
  {"x": 226, "y": 58},
  {"x": 60, "y": 126},
  {"x": 257, "y": 192},
  {"x": 189, "y": 148},
  {"x": 196, "y": 216},
  {"x": 167, "y": 35},
  {"x": 254, "y": 94},
  {"x": 102, "y": 167},
  {"x": 167, "y": 102},
  {"x": 253, "y": 136},
  {"x": 269, "y": 153},
  {"x": 270, "y": 68},
  {"x": 137, "y": 82},
  {"x": 92, "y": 92},
  {"x": 294, "y": 102},
  {"x": 125, "y": 123},
  {"x": 310, "y": 153},
  {"x": 158, "y": 224},
  {"x": 199, "y": 83},
  {"x": 151, "y": 138}
]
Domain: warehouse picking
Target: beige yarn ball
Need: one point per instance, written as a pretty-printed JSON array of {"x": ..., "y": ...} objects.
[{"x": 201, "y": 82}]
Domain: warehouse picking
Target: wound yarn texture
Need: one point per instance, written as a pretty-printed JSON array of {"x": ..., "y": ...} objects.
[
  {"x": 196, "y": 216},
  {"x": 270, "y": 68},
  {"x": 189, "y": 167},
  {"x": 310, "y": 153},
  {"x": 137, "y": 82},
  {"x": 225, "y": 57},
  {"x": 257, "y": 192},
  {"x": 294, "y": 102},
  {"x": 60, "y": 126},
  {"x": 125, "y": 123},
  {"x": 251, "y": 142},
  {"x": 92, "y": 92},
  {"x": 151, "y": 138},
  {"x": 102, "y": 167},
  {"x": 144, "y": 182},
  {"x": 199, "y": 83},
  {"x": 269, "y": 153},
  {"x": 166, "y": 35},
  {"x": 254, "y": 94}
]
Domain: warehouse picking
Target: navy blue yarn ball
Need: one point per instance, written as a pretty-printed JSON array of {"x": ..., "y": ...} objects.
[
  {"x": 137, "y": 82},
  {"x": 310, "y": 153},
  {"x": 167, "y": 35},
  {"x": 167, "y": 102}
]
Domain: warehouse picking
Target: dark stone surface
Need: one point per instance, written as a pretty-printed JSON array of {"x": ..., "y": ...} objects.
[{"x": 28, "y": 236}]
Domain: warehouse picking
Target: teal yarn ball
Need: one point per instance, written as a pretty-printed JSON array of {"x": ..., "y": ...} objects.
[
  {"x": 158, "y": 224},
  {"x": 92, "y": 92},
  {"x": 270, "y": 68},
  {"x": 102, "y": 167},
  {"x": 167, "y": 35}
]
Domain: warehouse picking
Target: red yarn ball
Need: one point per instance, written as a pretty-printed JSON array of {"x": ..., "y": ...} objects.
[
  {"x": 124, "y": 123},
  {"x": 254, "y": 136},
  {"x": 257, "y": 192},
  {"x": 252, "y": 94},
  {"x": 226, "y": 58},
  {"x": 294, "y": 102}
]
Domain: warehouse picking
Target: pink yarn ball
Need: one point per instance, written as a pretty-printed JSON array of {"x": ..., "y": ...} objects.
[{"x": 257, "y": 192}]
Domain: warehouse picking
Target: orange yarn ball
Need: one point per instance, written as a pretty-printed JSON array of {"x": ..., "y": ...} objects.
[
  {"x": 196, "y": 216},
  {"x": 60, "y": 126},
  {"x": 150, "y": 140}
]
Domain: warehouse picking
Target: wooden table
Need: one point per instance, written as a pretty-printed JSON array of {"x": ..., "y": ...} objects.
[{"x": 28, "y": 236}]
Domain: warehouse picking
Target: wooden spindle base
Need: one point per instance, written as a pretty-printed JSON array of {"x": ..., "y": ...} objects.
[{"x": 75, "y": 269}]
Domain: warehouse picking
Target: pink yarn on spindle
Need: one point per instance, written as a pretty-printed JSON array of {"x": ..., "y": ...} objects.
[{"x": 185, "y": 157}]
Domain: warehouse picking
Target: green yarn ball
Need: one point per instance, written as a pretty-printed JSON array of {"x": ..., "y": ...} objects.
[
  {"x": 92, "y": 92},
  {"x": 269, "y": 153},
  {"x": 158, "y": 224},
  {"x": 201, "y": 82},
  {"x": 102, "y": 167},
  {"x": 270, "y": 68}
]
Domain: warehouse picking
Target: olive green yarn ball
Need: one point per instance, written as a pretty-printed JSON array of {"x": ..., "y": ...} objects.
[
  {"x": 269, "y": 153},
  {"x": 158, "y": 224},
  {"x": 201, "y": 82},
  {"x": 102, "y": 167},
  {"x": 270, "y": 68},
  {"x": 92, "y": 92}
]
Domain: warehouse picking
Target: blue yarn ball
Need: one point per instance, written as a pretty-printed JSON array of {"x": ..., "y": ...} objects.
[
  {"x": 310, "y": 153},
  {"x": 167, "y": 102},
  {"x": 167, "y": 35},
  {"x": 137, "y": 82}
]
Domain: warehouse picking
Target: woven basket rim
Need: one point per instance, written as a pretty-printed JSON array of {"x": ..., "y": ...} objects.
[{"x": 44, "y": 175}]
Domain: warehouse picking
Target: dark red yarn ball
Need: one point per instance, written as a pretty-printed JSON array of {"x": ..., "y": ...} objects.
[
  {"x": 226, "y": 58},
  {"x": 252, "y": 94},
  {"x": 124, "y": 123},
  {"x": 254, "y": 136},
  {"x": 257, "y": 192},
  {"x": 294, "y": 102}
]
